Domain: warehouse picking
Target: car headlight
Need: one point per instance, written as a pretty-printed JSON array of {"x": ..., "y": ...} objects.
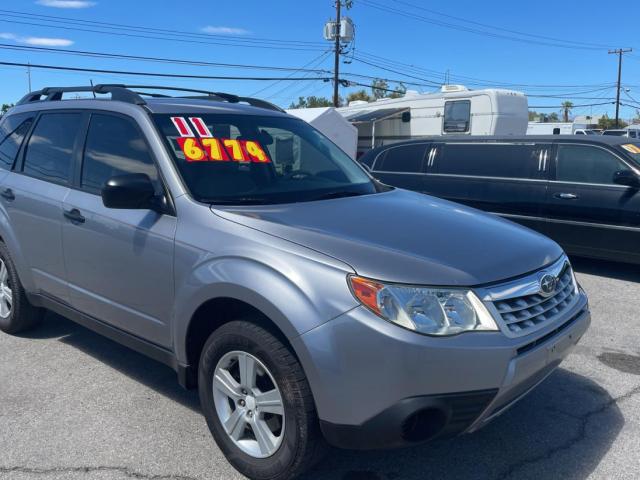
[{"x": 426, "y": 310}]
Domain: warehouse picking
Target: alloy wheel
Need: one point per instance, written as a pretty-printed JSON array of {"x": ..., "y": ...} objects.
[
  {"x": 6, "y": 295},
  {"x": 249, "y": 404}
]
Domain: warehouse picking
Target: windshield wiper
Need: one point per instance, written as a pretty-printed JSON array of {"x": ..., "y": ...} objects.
[{"x": 338, "y": 194}]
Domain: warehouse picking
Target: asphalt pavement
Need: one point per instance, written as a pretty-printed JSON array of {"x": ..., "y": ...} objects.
[{"x": 74, "y": 405}]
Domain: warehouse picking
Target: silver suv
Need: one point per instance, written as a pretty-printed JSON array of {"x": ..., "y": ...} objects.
[{"x": 309, "y": 303}]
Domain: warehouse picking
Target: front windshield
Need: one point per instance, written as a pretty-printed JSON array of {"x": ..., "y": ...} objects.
[{"x": 247, "y": 159}]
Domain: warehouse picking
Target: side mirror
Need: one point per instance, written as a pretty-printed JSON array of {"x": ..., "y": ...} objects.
[
  {"x": 131, "y": 191},
  {"x": 626, "y": 177}
]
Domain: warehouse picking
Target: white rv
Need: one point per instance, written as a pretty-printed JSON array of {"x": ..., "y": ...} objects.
[
  {"x": 550, "y": 128},
  {"x": 453, "y": 111}
]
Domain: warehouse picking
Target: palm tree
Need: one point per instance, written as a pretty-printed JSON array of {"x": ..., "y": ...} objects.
[{"x": 566, "y": 109}]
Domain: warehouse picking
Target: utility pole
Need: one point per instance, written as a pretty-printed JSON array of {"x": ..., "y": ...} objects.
[
  {"x": 336, "y": 67},
  {"x": 619, "y": 52}
]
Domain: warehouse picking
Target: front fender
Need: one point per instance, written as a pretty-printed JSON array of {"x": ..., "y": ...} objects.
[
  {"x": 298, "y": 296},
  {"x": 13, "y": 245}
]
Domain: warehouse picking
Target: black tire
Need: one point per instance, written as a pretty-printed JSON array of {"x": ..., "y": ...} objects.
[
  {"x": 23, "y": 315},
  {"x": 303, "y": 444}
]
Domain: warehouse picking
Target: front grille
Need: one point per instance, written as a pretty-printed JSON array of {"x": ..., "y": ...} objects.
[{"x": 523, "y": 314}]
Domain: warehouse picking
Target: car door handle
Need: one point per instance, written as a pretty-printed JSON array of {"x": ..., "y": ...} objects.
[
  {"x": 7, "y": 193},
  {"x": 74, "y": 215},
  {"x": 566, "y": 196}
]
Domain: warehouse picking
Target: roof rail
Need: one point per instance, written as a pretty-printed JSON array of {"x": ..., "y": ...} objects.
[
  {"x": 125, "y": 93},
  {"x": 118, "y": 92}
]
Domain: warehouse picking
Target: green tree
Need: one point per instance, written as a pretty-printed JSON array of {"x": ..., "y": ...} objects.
[
  {"x": 379, "y": 88},
  {"x": 5, "y": 108},
  {"x": 553, "y": 117},
  {"x": 311, "y": 102},
  {"x": 566, "y": 109},
  {"x": 359, "y": 95},
  {"x": 608, "y": 123},
  {"x": 399, "y": 91}
]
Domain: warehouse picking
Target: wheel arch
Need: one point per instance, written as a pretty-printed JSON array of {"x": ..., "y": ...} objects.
[{"x": 214, "y": 313}]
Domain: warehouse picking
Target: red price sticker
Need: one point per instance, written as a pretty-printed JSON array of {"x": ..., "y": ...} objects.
[{"x": 222, "y": 150}]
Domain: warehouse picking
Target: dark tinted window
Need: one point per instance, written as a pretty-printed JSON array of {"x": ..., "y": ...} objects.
[
  {"x": 50, "y": 148},
  {"x": 114, "y": 146},
  {"x": 12, "y": 131},
  {"x": 487, "y": 160},
  {"x": 405, "y": 158},
  {"x": 586, "y": 164},
  {"x": 457, "y": 116}
]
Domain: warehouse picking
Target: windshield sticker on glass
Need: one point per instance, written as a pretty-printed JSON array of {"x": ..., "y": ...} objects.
[
  {"x": 182, "y": 126},
  {"x": 200, "y": 127},
  {"x": 631, "y": 148},
  {"x": 207, "y": 148}
]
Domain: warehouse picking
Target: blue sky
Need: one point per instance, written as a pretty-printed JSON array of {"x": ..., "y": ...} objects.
[{"x": 412, "y": 33}]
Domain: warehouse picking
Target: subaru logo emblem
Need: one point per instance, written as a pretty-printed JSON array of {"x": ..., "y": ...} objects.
[{"x": 548, "y": 284}]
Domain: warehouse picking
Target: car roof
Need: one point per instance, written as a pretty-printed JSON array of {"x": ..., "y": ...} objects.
[
  {"x": 595, "y": 139},
  {"x": 203, "y": 106},
  {"x": 154, "y": 105}
]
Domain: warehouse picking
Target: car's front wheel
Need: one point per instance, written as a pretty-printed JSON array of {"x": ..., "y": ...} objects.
[{"x": 257, "y": 403}]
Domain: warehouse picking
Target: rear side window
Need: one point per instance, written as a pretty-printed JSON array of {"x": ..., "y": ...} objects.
[
  {"x": 457, "y": 116},
  {"x": 586, "y": 164},
  {"x": 402, "y": 159},
  {"x": 12, "y": 132},
  {"x": 487, "y": 160},
  {"x": 50, "y": 148},
  {"x": 114, "y": 146}
]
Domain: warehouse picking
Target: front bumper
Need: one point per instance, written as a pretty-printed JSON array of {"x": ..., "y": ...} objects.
[{"x": 379, "y": 386}]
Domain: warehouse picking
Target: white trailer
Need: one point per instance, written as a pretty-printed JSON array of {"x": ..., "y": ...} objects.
[
  {"x": 453, "y": 111},
  {"x": 550, "y": 128},
  {"x": 332, "y": 125}
]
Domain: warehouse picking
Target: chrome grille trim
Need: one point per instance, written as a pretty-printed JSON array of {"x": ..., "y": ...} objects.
[{"x": 520, "y": 309}]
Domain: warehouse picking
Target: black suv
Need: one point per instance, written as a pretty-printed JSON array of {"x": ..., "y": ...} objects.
[{"x": 582, "y": 192}]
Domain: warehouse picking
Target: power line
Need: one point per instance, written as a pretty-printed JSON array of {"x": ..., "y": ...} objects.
[
  {"x": 153, "y": 74},
  {"x": 229, "y": 43},
  {"x": 357, "y": 59},
  {"x": 523, "y": 34},
  {"x": 138, "y": 28},
  {"x": 465, "y": 79},
  {"x": 539, "y": 107},
  {"x": 84, "y": 53},
  {"x": 387, "y": 9}
]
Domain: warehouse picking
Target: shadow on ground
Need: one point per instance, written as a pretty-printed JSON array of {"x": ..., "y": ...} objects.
[
  {"x": 138, "y": 367},
  {"x": 620, "y": 271},
  {"x": 561, "y": 430}
]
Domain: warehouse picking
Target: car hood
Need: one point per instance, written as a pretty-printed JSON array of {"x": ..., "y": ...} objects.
[{"x": 406, "y": 237}]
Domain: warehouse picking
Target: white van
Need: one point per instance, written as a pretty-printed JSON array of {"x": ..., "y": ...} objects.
[{"x": 453, "y": 111}]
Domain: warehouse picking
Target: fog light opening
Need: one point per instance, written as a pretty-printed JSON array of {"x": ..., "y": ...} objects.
[{"x": 423, "y": 425}]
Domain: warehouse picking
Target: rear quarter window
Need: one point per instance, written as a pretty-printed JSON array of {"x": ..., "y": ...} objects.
[
  {"x": 13, "y": 129},
  {"x": 402, "y": 159}
]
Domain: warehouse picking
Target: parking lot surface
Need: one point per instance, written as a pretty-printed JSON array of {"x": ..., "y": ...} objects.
[{"x": 74, "y": 405}]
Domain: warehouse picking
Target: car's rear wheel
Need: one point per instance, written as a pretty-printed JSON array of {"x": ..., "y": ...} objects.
[
  {"x": 16, "y": 313},
  {"x": 257, "y": 403}
]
